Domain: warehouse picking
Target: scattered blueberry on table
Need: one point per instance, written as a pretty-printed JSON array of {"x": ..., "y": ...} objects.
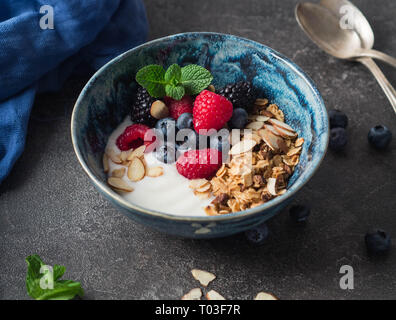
[
  {"x": 338, "y": 139},
  {"x": 300, "y": 213},
  {"x": 378, "y": 242},
  {"x": 380, "y": 137},
  {"x": 257, "y": 235},
  {"x": 338, "y": 119}
]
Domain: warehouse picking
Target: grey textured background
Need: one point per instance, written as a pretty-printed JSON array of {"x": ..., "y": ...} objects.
[{"x": 48, "y": 206}]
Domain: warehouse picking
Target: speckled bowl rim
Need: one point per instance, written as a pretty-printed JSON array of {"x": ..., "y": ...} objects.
[{"x": 233, "y": 216}]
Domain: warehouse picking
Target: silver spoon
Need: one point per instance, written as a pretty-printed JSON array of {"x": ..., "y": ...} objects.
[{"x": 322, "y": 23}]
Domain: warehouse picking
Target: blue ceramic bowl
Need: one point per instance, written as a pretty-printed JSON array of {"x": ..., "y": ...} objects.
[{"x": 106, "y": 100}]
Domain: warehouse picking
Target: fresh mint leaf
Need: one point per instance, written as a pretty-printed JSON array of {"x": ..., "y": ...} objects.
[
  {"x": 195, "y": 79},
  {"x": 152, "y": 78},
  {"x": 62, "y": 289},
  {"x": 175, "y": 92},
  {"x": 173, "y": 75}
]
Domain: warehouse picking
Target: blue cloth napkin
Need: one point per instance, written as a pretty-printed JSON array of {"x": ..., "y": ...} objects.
[{"x": 33, "y": 59}]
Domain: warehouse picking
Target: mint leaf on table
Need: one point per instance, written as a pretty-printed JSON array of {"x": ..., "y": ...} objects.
[
  {"x": 152, "y": 78},
  {"x": 174, "y": 82},
  {"x": 62, "y": 289},
  {"x": 195, "y": 78}
]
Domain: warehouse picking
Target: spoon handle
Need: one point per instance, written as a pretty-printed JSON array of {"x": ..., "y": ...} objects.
[
  {"x": 380, "y": 56},
  {"x": 383, "y": 82}
]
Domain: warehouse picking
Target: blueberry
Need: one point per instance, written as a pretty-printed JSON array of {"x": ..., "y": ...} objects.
[
  {"x": 185, "y": 121},
  {"x": 338, "y": 119},
  {"x": 220, "y": 141},
  {"x": 167, "y": 127},
  {"x": 338, "y": 139},
  {"x": 257, "y": 235},
  {"x": 300, "y": 213},
  {"x": 239, "y": 119},
  {"x": 380, "y": 137},
  {"x": 166, "y": 153},
  {"x": 377, "y": 242}
]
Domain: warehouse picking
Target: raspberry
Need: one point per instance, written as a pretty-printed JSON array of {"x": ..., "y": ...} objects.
[
  {"x": 211, "y": 111},
  {"x": 178, "y": 107},
  {"x": 199, "y": 164},
  {"x": 134, "y": 137}
]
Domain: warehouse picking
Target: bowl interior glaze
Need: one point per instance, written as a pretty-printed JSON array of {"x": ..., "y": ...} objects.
[{"x": 106, "y": 99}]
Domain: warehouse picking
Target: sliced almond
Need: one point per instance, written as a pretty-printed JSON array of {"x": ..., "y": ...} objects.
[
  {"x": 294, "y": 151},
  {"x": 155, "y": 172},
  {"x": 202, "y": 195},
  {"x": 214, "y": 295},
  {"x": 194, "y": 294},
  {"x": 159, "y": 110},
  {"x": 204, "y": 188},
  {"x": 270, "y": 139},
  {"x": 124, "y": 156},
  {"x": 212, "y": 88},
  {"x": 136, "y": 170},
  {"x": 119, "y": 184},
  {"x": 118, "y": 173},
  {"x": 196, "y": 184},
  {"x": 271, "y": 186},
  {"x": 203, "y": 277},
  {"x": 282, "y": 125},
  {"x": 257, "y": 125},
  {"x": 137, "y": 153},
  {"x": 265, "y": 296},
  {"x": 261, "y": 102},
  {"x": 114, "y": 156},
  {"x": 285, "y": 133},
  {"x": 211, "y": 211},
  {"x": 272, "y": 129},
  {"x": 106, "y": 167},
  {"x": 299, "y": 142},
  {"x": 262, "y": 118},
  {"x": 243, "y": 147}
]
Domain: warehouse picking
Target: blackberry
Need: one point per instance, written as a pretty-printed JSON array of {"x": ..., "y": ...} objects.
[
  {"x": 141, "y": 108},
  {"x": 241, "y": 94}
]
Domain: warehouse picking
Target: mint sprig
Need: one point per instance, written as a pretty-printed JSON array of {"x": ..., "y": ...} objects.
[
  {"x": 61, "y": 289},
  {"x": 174, "y": 82}
]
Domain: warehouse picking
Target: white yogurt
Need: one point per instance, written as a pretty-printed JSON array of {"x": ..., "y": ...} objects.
[{"x": 169, "y": 193}]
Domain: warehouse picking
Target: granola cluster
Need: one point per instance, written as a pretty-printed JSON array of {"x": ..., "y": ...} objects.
[{"x": 260, "y": 164}]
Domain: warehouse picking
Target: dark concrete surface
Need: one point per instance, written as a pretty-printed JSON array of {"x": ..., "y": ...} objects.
[{"x": 48, "y": 206}]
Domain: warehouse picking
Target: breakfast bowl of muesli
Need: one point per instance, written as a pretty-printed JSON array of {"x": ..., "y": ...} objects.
[{"x": 200, "y": 135}]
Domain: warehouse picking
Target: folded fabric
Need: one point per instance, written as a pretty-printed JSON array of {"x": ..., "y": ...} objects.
[{"x": 36, "y": 59}]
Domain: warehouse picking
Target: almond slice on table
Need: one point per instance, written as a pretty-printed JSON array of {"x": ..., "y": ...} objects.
[
  {"x": 106, "y": 167},
  {"x": 159, "y": 110},
  {"x": 203, "y": 277},
  {"x": 118, "y": 173},
  {"x": 214, "y": 295},
  {"x": 119, "y": 184},
  {"x": 265, "y": 296},
  {"x": 137, "y": 153},
  {"x": 282, "y": 125},
  {"x": 243, "y": 147},
  {"x": 155, "y": 172},
  {"x": 136, "y": 170},
  {"x": 194, "y": 294},
  {"x": 271, "y": 186},
  {"x": 256, "y": 125}
]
